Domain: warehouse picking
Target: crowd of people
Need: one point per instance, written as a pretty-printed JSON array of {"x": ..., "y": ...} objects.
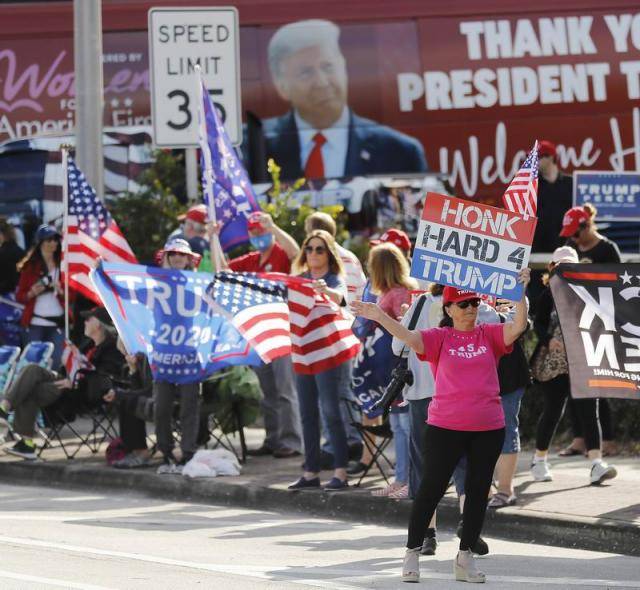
[{"x": 456, "y": 419}]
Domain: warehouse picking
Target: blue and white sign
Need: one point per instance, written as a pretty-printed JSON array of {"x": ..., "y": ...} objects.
[
  {"x": 616, "y": 195},
  {"x": 163, "y": 314}
]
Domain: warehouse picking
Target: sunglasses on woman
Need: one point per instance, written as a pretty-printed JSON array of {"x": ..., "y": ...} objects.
[
  {"x": 317, "y": 249},
  {"x": 468, "y": 302}
]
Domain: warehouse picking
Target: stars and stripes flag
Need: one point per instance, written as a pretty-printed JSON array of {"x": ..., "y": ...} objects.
[
  {"x": 91, "y": 233},
  {"x": 522, "y": 194},
  {"x": 226, "y": 188},
  {"x": 279, "y": 314},
  {"x": 73, "y": 360}
]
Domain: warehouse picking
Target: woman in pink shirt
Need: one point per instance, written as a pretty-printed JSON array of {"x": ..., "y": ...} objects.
[{"x": 465, "y": 416}]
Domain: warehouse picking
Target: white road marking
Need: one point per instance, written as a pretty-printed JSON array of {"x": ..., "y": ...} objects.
[
  {"x": 50, "y": 581},
  {"x": 289, "y": 573}
]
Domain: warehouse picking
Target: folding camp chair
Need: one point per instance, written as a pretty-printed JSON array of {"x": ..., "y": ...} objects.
[
  {"x": 8, "y": 359},
  {"x": 40, "y": 353},
  {"x": 369, "y": 435}
]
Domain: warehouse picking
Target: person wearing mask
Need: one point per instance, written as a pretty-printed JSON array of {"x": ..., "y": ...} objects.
[
  {"x": 319, "y": 260},
  {"x": 41, "y": 291},
  {"x": 177, "y": 255},
  {"x": 579, "y": 228},
  {"x": 36, "y": 387},
  {"x": 194, "y": 228},
  {"x": 550, "y": 369},
  {"x": 274, "y": 251},
  {"x": 131, "y": 397},
  {"x": 10, "y": 255},
  {"x": 392, "y": 284},
  {"x": 465, "y": 417}
]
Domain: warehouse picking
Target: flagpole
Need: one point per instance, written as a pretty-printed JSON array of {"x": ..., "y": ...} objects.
[
  {"x": 217, "y": 255},
  {"x": 65, "y": 235}
]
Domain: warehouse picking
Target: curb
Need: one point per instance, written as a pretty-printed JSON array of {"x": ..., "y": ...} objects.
[{"x": 514, "y": 524}]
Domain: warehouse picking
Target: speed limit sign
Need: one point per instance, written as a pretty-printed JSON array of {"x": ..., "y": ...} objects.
[{"x": 180, "y": 39}]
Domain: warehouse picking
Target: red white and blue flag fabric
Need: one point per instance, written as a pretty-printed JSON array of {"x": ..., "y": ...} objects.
[
  {"x": 522, "y": 194},
  {"x": 73, "y": 360},
  {"x": 597, "y": 306},
  {"x": 225, "y": 183},
  {"x": 91, "y": 233},
  {"x": 318, "y": 333}
]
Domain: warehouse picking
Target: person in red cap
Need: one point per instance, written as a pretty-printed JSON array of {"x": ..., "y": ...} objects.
[
  {"x": 194, "y": 228},
  {"x": 274, "y": 251},
  {"x": 397, "y": 237},
  {"x": 555, "y": 197},
  {"x": 465, "y": 417}
]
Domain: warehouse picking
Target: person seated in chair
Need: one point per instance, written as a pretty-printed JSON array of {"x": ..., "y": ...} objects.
[{"x": 37, "y": 387}]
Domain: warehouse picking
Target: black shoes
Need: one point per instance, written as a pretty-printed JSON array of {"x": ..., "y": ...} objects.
[
  {"x": 262, "y": 451},
  {"x": 480, "y": 547},
  {"x": 22, "y": 449},
  {"x": 356, "y": 468},
  {"x": 429, "y": 546},
  {"x": 303, "y": 484},
  {"x": 285, "y": 453}
]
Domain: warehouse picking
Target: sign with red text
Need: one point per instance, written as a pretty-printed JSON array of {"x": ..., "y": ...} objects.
[
  {"x": 472, "y": 246},
  {"x": 180, "y": 39}
]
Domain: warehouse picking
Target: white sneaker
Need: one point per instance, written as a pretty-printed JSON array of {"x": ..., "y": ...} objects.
[
  {"x": 541, "y": 471},
  {"x": 601, "y": 472}
]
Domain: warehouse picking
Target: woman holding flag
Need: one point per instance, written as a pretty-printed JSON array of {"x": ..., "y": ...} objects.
[{"x": 465, "y": 416}]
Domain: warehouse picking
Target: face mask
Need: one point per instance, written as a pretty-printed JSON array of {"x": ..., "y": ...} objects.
[{"x": 262, "y": 242}]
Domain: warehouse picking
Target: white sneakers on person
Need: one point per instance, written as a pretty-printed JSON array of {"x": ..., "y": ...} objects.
[
  {"x": 465, "y": 570},
  {"x": 601, "y": 471},
  {"x": 541, "y": 471},
  {"x": 411, "y": 565}
]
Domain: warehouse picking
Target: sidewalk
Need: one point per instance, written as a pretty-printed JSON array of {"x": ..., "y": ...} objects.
[{"x": 566, "y": 512}]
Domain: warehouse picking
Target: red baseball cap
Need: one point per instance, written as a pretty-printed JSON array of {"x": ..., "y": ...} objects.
[
  {"x": 572, "y": 220},
  {"x": 546, "y": 148},
  {"x": 197, "y": 213},
  {"x": 254, "y": 221},
  {"x": 454, "y": 295},
  {"x": 394, "y": 236}
]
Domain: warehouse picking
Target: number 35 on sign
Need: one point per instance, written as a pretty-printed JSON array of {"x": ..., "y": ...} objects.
[{"x": 180, "y": 39}]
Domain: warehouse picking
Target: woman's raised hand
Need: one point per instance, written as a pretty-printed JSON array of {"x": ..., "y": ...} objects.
[{"x": 369, "y": 311}]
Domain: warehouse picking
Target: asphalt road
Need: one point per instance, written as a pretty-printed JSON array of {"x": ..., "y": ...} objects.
[{"x": 94, "y": 541}]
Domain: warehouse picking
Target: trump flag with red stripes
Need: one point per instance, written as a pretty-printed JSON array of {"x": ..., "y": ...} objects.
[
  {"x": 522, "y": 194},
  {"x": 91, "y": 233},
  {"x": 278, "y": 315}
]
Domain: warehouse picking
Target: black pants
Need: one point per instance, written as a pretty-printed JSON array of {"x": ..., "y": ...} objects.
[
  {"x": 133, "y": 430},
  {"x": 443, "y": 450},
  {"x": 604, "y": 414},
  {"x": 556, "y": 393}
]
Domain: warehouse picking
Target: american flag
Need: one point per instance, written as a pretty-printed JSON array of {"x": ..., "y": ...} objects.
[
  {"x": 315, "y": 330},
  {"x": 91, "y": 233},
  {"x": 522, "y": 194},
  {"x": 73, "y": 360},
  {"x": 226, "y": 188}
]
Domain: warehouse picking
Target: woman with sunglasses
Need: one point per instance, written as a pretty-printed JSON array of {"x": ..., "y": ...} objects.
[
  {"x": 319, "y": 260},
  {"x": 579, "y": 227},
  {"x": 41, "y": 292},
  {"x": 177, "y": 255},
  {"x": 465, "y": 417}
]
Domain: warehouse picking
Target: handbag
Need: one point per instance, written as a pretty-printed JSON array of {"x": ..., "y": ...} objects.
[{"x": 548, "y": 364}]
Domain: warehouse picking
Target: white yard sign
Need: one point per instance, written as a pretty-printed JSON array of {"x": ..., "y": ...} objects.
[{"x": 179, "y": 39}]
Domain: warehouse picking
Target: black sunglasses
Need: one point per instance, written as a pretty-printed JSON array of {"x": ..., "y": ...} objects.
[
  {"x": 318, "y": 249},
  {"x": 468, "y": 302}
]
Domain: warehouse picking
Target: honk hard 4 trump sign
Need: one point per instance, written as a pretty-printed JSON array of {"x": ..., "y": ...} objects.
[{"x": 472, "y": 246}]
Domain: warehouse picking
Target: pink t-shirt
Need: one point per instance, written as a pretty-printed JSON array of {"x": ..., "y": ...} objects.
[
  {"x": 392, "y": 301},
  {"x": 465, "y": 367}
]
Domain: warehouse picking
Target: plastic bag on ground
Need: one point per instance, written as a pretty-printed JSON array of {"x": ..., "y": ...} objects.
[{"x": 211, "y": 463}]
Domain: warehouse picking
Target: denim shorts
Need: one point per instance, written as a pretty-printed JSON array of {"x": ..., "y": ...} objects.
[{"x": 511, "y": 406}]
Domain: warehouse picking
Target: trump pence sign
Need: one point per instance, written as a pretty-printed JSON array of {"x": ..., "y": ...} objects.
[{"x": 472, "y": 246}]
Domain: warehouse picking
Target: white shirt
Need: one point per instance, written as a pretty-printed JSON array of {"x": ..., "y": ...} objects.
[
  {"x": 334, "y": 151},
  {"x": 47, "y": 305},
  {"x": 354, "y": 277}
]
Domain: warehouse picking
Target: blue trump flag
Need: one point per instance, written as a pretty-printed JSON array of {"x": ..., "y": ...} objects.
[
  {"x": 163, "y": 314},
  {"x": 226, "y": 187}
]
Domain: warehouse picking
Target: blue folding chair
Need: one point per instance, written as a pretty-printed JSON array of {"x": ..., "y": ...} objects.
[
  {"x": 8, "y": 358},
  {"x": 40, "y": 353}
]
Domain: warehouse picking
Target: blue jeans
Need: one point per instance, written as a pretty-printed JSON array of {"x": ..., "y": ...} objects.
[
  {"x": 322, "y": 393},
  {"x": 400, "y": 423},
  {"x": 47, "y": 334},
  {"x": 353, "y": 437},
  {"x": 511, "y": 406},
  {"x": 418, "y": 416}
]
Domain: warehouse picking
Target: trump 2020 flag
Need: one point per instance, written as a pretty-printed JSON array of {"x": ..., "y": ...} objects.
[
  {"x": 91, "y": 233},
  {"x": 225, "y": 185},
  {"x": 521, "y": 195},
  {"x": 598, "y": 310},
  {"x": 163, "y": 314}
]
